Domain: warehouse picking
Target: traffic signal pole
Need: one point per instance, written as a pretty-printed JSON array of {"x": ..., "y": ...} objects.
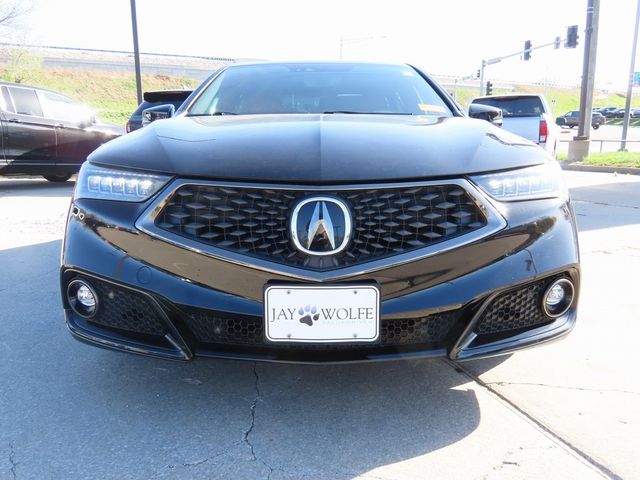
[
  {"x": 491, "y": 61},
  {"x": 588, "y": 68},
  {"x": 579, "y": 146}
]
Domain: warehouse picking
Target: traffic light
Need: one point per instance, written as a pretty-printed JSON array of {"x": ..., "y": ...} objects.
[
  {"x": 478, "y": 74},
  {"x": 489, "y": 88},
  {"x": 556, "y": 43},
  {"x": 527, "y": 50},
  {"x": 572, "y": 37}
]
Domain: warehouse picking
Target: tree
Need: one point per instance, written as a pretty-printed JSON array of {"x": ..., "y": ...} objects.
[{"x": 12, "y": 10}]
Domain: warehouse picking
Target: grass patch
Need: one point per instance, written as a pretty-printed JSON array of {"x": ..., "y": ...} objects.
[
  {"x": 614, "y": 159},
  {"x": 609, "y": 159},
  {"x": 112, "y": 95},
  {"x": 633, "y": 122}
]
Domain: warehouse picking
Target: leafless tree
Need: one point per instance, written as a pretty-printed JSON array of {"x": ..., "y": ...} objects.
[{"x": 11, "y": 10}]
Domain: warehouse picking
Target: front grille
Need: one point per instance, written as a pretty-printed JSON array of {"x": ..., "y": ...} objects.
[
  {"x": 124, "y": 309},
  {"x": 212, "y": 329},
  {"x": 255, "y": 222},
  {"x": 514, "y": 310}
]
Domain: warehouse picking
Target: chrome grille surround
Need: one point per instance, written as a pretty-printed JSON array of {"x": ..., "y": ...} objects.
[{"x": 151, "y": 222}]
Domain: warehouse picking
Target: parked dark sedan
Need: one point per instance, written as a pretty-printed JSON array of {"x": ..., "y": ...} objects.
[
  {"x": 607, "y": 112},
  {"x": 153, "y": 99},
  {"x": 316, "y": 212},
  {"x": 46, "y": 133}
]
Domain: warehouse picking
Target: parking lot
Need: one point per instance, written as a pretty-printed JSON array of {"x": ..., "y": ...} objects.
[{"x": 565, "y": 410}]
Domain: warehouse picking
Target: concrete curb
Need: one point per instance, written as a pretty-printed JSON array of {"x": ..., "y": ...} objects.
[{"x": 599, "y": 168}]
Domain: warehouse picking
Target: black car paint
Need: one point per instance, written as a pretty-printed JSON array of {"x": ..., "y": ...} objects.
[
  {"x": 154, "y": 99},
  {"x": 318, "y": 148},
  {"x": 39, "y": 145},
  {"x": 538, "y": 242}
]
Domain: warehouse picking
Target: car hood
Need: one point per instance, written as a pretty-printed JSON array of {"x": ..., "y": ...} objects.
[{"x": 330, "y": 148}]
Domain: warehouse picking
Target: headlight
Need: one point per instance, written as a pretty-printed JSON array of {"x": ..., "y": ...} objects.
[
  {"x": 532, "y": 183},
  {"x": 113, "y": 184}
]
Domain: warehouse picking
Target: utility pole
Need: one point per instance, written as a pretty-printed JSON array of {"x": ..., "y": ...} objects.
[
  {"x": 588, "y": 67},
  {"x": 579, "y": 147},
  {"x": 627, "y": 105},
  {"x": 136, "y": 51}
]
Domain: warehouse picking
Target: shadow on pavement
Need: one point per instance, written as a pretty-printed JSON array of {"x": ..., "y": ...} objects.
[{"x": 123, "y": 413}]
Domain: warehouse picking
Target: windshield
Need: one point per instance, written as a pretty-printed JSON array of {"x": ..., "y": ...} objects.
[
  {"x": 319, "y": 88},
  {"x": 515, "y": 106}
]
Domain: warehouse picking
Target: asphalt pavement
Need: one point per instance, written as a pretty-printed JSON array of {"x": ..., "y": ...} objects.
[{"x": 71, "y": 411}]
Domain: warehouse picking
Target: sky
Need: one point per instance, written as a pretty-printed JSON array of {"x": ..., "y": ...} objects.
[{"x": 442, "y": 37}]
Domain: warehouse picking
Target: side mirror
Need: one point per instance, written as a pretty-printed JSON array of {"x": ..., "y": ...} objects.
[
  {"x": 159, "y": 112},
  {"x": 491, "y": 114}
]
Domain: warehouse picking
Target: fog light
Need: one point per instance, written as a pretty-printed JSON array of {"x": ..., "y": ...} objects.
[
  {"x": 86, "y": 297},
  {"x": 558, "y": 298},
  {"x": 82, "y": 298}
]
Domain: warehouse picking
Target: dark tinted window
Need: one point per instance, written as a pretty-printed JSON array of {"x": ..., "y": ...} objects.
[
  {"x": 26, "y": 101},
  {"x": 320, "y": 88},
  {"x": 515, "y": 106},
  {"x": 144, "y": 105}
]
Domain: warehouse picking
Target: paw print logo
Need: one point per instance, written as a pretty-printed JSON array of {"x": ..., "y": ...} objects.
[{"x": 308, "y": 314}]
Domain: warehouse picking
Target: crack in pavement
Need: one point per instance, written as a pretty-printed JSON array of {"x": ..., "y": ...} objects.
[
  {"x": 12, "y": 461},
  {"x": 246, "y": 439},
  {"x": 566, "y": 443},
  {"x": 604, "y": 204},
  {"x": 254, "y": 405},
  {"x": 189, "y": 465},
  {"x": 584, "y": 389}
]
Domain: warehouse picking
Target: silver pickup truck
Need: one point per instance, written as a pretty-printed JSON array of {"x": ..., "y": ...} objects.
[{"x": 527, "y": 115}]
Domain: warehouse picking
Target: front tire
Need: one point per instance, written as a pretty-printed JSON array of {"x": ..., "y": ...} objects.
[
  {"x": 57, "y": 178},
  {"x": 595, "y": 127}
]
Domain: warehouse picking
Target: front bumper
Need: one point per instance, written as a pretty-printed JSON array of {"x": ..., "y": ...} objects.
[{"x": 164, "y": 300}]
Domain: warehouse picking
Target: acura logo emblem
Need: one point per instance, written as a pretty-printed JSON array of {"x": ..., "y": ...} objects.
[{"x": 321, "y": 226}]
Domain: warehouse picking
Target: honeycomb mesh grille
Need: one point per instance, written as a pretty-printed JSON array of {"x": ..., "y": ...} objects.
[
  {"x": 255, "y": 222},
  {"x": 126, "y": 310},
  {"x": 514, "y": 310},
  {"x": 208, "y": 328}
]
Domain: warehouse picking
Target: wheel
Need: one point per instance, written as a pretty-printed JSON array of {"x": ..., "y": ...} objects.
[
  {"x": 595, "y": 127},
  {"x": 58, "y": 178}
]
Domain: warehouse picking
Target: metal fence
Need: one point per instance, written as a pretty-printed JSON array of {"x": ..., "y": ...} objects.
[{"x": 612, "y": 145}]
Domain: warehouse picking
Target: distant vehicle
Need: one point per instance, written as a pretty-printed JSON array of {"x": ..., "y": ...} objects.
[
  {"x": 153, "y": 99},
  {"x": 46, "y": 133},
  {"x": 608, "y": 112},
  {"x": 527, "y": 115},
  {"x": 572, "y": 119},
  {"x": 619, "y": 113}
]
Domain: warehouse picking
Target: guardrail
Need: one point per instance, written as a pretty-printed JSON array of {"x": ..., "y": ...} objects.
[{"x": 602, "y": 141}]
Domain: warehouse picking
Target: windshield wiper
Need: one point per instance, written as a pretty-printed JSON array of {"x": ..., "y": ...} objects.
[
  {"x": 365, "y": 113},
  {"x": 214, "y": 114}
]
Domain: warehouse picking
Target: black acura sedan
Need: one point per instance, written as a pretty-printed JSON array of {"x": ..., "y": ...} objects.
[{"x": 320, "y": 212}]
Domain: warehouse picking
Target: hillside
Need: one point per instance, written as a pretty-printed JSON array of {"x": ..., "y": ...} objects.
[{"x": 113, "y": 94}]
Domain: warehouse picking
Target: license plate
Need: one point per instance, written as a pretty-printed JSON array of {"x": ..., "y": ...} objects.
[{"x": 322, "y": 314}]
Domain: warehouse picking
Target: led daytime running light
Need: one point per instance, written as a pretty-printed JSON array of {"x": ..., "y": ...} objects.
[
  {"x": 542, "y": 181},
  {"x": 111, "y": 184}
]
